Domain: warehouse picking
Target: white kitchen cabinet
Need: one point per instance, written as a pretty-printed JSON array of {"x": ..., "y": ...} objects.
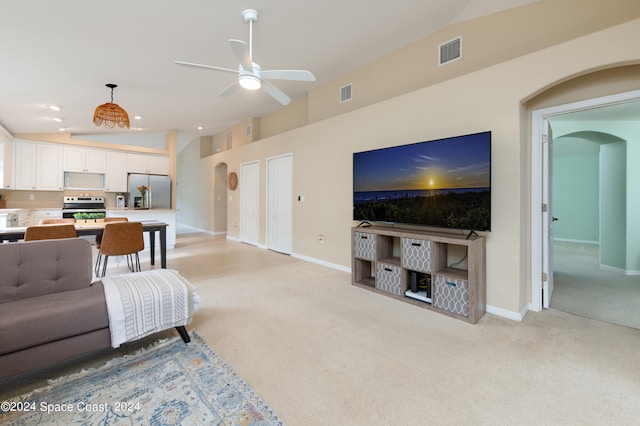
[
  {"x": 115, "y": 178},
  {"x": 49, "y": 174},
  {"x": 158, "y": 164},
  {"x": 6, "y": 162},
  {"x": 149, "y": 164},
  {"x": 84, "y": 160},
  {"x": 25, "y": 165},
  {"x": 38, "y": 166}
]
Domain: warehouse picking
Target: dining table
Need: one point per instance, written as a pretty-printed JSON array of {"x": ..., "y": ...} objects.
[{"x": 15, "y": 234}]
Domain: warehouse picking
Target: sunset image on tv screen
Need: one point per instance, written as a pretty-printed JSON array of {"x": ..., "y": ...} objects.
[{"x": 443, "y": 183}]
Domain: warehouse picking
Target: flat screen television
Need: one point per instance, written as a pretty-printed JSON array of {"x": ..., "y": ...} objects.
[{"x": 441, "y": 183}]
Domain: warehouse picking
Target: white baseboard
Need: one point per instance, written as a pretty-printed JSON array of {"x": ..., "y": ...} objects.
[
  {"x": 515, "y": 316},
  {"x": 237, "y": 240},
  {"x": 621, "y": 271},
  {"x": 194, "y": 229},
  {"x": 321, "y": 262},
  {"x": 569, "y": 240}
]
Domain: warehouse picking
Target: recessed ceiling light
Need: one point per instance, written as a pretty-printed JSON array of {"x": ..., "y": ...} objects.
[
  {"x": 58, "y": 119},
  {"x": 137, "y": 117},
  {"x": 54, "y": 107},
  {"x": 200, "y": 127},
  {"x": 62, "y": 129}
]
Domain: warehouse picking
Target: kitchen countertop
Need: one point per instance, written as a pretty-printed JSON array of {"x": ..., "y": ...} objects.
[
  {"x": 140, "y": 210},
  {"x": 15, "y": 209}
]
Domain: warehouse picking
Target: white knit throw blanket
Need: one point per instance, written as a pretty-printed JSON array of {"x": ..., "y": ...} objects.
[{"x": 143, "y": 303}]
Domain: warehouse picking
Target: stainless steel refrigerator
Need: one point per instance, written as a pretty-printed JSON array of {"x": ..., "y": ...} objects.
[{"x": 159, "y": 196}]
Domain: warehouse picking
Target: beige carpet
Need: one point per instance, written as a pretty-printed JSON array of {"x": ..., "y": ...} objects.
[
  {"x": 323, "y": 352},
  {"x": 581, "y": 287}
]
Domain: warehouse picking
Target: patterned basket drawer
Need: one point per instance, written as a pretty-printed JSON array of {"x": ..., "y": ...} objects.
[
  {"x": 451, "y": 295},
  {"x": 364, "y": 245},
  {"x": 416, "y": 254},
  {"x": 388, "y": 278}
]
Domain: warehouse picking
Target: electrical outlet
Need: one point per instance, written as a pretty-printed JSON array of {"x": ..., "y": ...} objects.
[{"x": 32, "y": 197}]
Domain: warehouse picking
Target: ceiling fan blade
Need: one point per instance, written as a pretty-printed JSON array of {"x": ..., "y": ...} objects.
[
  {"x": 242, "y": 53},
  {"x": 230, "y": 90},
  {"x": 207, "y": 67},
  {"x": 296, "y": 75},
  {"x": 278, "y": 94}
]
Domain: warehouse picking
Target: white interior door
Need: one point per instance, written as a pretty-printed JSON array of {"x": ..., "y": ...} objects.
[
  {"x": 547, "y": 213},
  {"x": 279, "y": 204},
  {"x": 249, "y": 186}
]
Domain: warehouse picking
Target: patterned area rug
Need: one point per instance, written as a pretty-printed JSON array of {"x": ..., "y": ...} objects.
[{"x": 168, "y": 384}]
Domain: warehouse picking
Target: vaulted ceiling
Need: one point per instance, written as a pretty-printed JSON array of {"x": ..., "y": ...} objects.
[{"x": 63, "y": 52}]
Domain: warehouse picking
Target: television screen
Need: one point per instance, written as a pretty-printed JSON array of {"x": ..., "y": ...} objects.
[{"x": 440, "y": 183}]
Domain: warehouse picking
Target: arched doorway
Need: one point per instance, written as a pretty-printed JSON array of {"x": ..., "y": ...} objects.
[{"x": 598, "y": 123}]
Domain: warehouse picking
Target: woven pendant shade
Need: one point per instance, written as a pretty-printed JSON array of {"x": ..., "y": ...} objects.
[{"x": 111, "y": 114}]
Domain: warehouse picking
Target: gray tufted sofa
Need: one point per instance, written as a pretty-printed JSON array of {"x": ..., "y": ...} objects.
[{"x": 50, "y": 311}]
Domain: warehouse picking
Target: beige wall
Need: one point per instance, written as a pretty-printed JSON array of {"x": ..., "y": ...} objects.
[
  {"x": 194, "y": 183},
  {"x": 486, "y": 41},
  {"x": 488, "y": 99}
]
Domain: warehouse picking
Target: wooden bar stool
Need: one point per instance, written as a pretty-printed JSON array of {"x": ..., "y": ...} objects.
[{"x": 122, "y": 239}]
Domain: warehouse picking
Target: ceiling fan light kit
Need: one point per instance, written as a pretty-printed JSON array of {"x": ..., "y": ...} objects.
[
  {"x": 111, "y": 114},
  {"x": 249, "y": 81},
  {"x": 250, "y": 75}
]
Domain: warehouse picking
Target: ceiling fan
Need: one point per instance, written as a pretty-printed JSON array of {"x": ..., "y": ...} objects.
[{"x": 250, "y": 75}]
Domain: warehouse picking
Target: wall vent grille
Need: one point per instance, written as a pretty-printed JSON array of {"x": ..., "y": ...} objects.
[
  {"x": 450, "y": 51},
  {"x": 229, "y": 140},
  {"x": 346, "y": 93}
]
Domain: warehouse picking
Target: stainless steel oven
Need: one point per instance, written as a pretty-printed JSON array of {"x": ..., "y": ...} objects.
[{"x": 73, "y": 205}]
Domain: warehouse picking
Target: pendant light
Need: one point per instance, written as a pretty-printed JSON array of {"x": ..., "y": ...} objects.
[{"x": 111, "y": 114}]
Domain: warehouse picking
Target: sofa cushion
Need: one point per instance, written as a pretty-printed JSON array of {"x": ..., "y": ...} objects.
[
  {"x": 37, "y": 320},
  {"x": 35, "y": 268}
]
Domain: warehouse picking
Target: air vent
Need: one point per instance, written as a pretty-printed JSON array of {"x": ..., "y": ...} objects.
[
  {"x": 229, "y": 141},
  {"x": 345, "y": 93},
  {"x": 450, "y": 51}
]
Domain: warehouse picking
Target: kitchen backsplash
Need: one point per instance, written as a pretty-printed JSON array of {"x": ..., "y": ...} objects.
[{"x": 52, "y": 199}]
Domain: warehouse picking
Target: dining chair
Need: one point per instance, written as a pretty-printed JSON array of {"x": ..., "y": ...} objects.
[
  {"x": 109, "y": 220},
  {"x": 56, "y": 220},
  {"x": 98, "y": 242},
  {"x": 121, "y": 239},
  {"x": 50, "y": 232}
]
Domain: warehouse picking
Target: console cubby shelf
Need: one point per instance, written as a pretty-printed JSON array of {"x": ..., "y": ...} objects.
[{"x": 451, "y": 268}]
